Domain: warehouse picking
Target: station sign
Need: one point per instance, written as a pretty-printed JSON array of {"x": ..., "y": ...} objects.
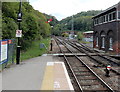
[
  {"x": 18, "y": 33},
  {"x": 3, "y": 51}
]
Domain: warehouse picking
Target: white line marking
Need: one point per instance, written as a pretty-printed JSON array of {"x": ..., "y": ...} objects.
[
  {"x": 67, "y": 76},
  {"x": 50, "y": 63},
  {"x": 56, "y": 84}
]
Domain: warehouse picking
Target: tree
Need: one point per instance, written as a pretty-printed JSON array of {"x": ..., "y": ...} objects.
[
  {"x": 33, "y": 25},
  {"x": 82, "y": 21},
  {"x": 8, "y": 28},
  {"x": 80, "y": 35}
]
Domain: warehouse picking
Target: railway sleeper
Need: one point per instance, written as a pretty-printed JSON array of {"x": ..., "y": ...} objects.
[
  {"x": 87, "y": 78},
  {"x": 98, "y": 87},
  {"x": 89, "y": 84},
  {"x": 82, "y": 73},
  {"x": 83, "y": 70}
]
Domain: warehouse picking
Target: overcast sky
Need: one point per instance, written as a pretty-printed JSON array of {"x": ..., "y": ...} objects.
[{"x": 64, "y": 8}]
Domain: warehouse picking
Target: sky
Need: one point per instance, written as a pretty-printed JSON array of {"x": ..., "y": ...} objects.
[{"x": 64, "y": 8}]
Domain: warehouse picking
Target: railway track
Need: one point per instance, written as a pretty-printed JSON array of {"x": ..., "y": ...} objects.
[
  {"x": 108, "y": 58},
  {"x": 102, "y": 62},
  {"x": 85, "y": 77}
]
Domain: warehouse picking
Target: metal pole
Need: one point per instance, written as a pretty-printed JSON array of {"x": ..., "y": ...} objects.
[
  {"x": 72, "y": 29},
  {"x": 72, "y": 24},
  {"x": 18, "y": 46}
]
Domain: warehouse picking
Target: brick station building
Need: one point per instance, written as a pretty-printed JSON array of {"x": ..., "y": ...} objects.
[{"x": 107, "y": 30}]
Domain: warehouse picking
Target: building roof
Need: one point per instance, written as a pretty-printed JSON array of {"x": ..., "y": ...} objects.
[
  {"x": 112, "y": 7},
  {"x": 88, "y": 32}
]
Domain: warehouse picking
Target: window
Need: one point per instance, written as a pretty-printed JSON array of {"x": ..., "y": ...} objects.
[
  {"x": 100, "y": 20},
  {"x": 103, "y": 18},
  {"x": 110, "y": 17},
  {"x": 110, "y": 43},
  {"x": 106, "y": 17},
  {"x": 97, "y": 42},
  {"x": 94, "y": 21},
  {"x": 119, "y": 15},
  {"x": 97, "y": 21},
  {"x": 103, "y": 42},
  {"x": 113, "y": 15}
]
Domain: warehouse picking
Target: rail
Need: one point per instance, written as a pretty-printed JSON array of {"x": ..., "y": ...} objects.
[{"x": 107, "y": 86}]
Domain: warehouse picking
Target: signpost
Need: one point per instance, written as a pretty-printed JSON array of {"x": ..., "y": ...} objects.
[{"x": 18, "y": 33}]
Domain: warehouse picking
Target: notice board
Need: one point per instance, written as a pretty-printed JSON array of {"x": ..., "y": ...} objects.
[{"x": 3, "y": 51}]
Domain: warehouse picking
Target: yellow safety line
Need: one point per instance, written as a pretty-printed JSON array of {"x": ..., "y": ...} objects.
[{"x": 47, "y": 83}]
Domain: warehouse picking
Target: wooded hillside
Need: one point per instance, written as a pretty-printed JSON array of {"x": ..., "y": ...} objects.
[
  {"x": 33, "y": 23},
  {"x": 81, "y": 22}
]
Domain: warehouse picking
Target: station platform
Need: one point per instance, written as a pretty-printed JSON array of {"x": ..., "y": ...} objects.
[
  {"x": 40, "y": 73},
  {"x": 56, "y": 77}
]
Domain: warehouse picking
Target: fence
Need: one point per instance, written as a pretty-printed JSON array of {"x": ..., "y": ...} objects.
[{"x": 7, "y": 52}]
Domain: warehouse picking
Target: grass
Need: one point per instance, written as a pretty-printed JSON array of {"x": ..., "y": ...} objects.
[
  {"x": 35, "y": 49},
  {"x": 32, "y": 52},
  {"x": 84, "y": 42}
]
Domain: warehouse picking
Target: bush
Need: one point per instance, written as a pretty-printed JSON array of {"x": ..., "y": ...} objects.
[
  {"x": 65, "y": 34},
  {"x": 25, "y": 44},
  {"x": 80, "y": 36}
]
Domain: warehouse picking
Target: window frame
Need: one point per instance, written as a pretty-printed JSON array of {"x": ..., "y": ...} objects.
[
  {"x": 118, "y": 15},
  {"x": 115, "y": 15},
  {"x": 103, "y": 42},
  {"x": 106, "y": 18},
  {"x": 97, "y": 42},
  {"x": 110, "y": 43}
]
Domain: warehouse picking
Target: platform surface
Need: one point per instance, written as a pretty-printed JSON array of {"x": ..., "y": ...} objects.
[
  {"x": 33, "y": 73},
  {"x": 28, "y": 75},
  {"x": 56, "y": 77}
]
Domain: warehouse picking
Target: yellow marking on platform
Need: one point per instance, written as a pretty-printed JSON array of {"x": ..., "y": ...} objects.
[
  {"x": 56, "y": 77},
  {"x": 48, "y": 82}
]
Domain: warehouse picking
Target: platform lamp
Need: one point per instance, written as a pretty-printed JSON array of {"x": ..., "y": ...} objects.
[{"x": 19, "y": 19}]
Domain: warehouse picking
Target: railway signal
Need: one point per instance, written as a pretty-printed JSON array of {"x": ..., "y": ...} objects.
[
  {"x": 108, "y": 67},
  {"x": 49, "y": 21}
]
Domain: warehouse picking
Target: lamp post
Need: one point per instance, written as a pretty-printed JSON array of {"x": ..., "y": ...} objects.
[{"x": 19, "y": 19}]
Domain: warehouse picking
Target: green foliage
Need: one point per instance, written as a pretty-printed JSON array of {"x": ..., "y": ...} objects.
[
  {"x": 35, "y": 49},
  {"x": 56, "y": 30},
  {"x": 10, "y": 9},
  {"x": 33, "y": 25},
  {"x": 65, "y": 34},
  {"x": 8, "y": 28},
  {"x": 82, "y": 21},
  {"x": 88, "y": 13},
  {"x": 80, "y": 35}
]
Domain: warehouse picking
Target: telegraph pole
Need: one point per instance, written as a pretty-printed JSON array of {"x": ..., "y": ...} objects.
[
  {"x": 72, "y": 24},
  {"x": 19, "y": 19},
  {"x": 72, "y": 28}
]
